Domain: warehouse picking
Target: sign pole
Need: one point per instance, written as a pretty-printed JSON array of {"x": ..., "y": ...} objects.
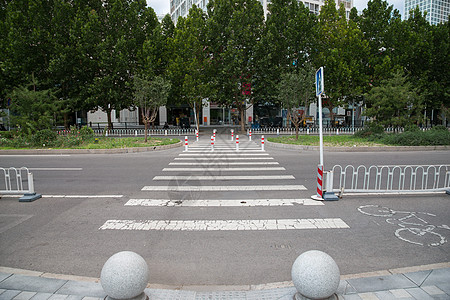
[{"x": 320, "y": 131}]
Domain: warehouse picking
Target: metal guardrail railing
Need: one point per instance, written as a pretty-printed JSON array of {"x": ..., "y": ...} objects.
[
  {"x": 141, "y": 132},
  {"x": 388, "y": 179},
  {"x": 18, "y": 181},
  {"x": 14, "y": 181}
]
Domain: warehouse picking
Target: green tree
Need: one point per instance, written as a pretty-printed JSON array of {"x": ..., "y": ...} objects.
[
  {"x": 189, "y": 67},
  {"x": 33, "y": 109},
  {"x": 110, "y": 41},
  {"x": 287, "y": 42},
  {"x": 234, "y": 30},
  {"x": 296, "y": 90},
  {"x": 149, "y": 96},
  {"x": 341, "y": 51},
  {"x": 396, "y": 102},
  {"x": 378, "y": 24}
]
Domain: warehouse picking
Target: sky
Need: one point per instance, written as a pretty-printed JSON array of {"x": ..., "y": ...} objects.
[{"x": 162, "y": 6}]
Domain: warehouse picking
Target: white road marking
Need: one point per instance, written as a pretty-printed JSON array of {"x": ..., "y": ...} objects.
[
  {"x": 34, "y": 155},
  {"x": 223, "y": 158},
  {"x": 216, "y": 188},
  {"x": 224, "y": 225},
  {"x": 225, "y": 177},
  {"x": 222, "y": 203},
  {"x": 55, "y": 169},
  {"x": 224, "y": 151},
  {"x": 222, "y": 163},
  {"x": 223, "y": 169},
  {"x": 82, "y": 196},
  {"x": 235, "y": 153}
]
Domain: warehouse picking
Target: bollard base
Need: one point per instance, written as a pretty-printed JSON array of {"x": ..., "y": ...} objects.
[
  {"x": 142, "y": 296},
  {"x": 30, "y": 197},
  {"x": 447, "y": 192},
  {"x": 317, "y": 198},
  {"x": 299, "y": 296},
  {"x": 330, "y": 196}
]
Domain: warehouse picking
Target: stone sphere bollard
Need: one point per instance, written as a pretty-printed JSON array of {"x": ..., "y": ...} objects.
[
  {"x": 125, "y": 276},
  {"x": 315, "y": 275}
]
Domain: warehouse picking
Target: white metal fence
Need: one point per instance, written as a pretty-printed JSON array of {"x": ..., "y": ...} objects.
[
  {"x": 16, "y": 181},
  {"x": 141, "y": 132},
  {"x": 385, "y": 179}
]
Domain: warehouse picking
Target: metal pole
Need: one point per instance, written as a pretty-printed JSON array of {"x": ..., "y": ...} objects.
[{"x": 320, "y": 131}]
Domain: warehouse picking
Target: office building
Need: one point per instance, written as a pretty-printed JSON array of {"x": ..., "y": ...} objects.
[
  {"x": 437, "y": 10},
  {"x": 181, "y": 7}
]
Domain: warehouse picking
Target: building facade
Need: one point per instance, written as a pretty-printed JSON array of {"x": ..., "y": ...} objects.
[
  {"x": 180, "y": 8},
  {"x": 437, "y": 10}
]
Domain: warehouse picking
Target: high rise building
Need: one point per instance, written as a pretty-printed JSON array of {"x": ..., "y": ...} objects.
[
  {"x": 181, "y": 7},
  {"x": 437, "y": 10}
]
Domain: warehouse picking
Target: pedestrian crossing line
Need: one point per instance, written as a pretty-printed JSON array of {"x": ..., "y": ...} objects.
[
  {"x": 225, "y": 151},
  {"x": 235, "y": 153},
  {"x": 221, "y": 163},
  {"x": 223, "y": 169},
  {"x": 223, "y": 158},
  {"x": 222, "y": 203},
  {"x": 228, "y": 188},
  {"x": 224, "y": 225},
  {"x": 226, "y": 177}
]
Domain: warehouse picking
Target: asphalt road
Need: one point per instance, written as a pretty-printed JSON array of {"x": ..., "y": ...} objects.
[{"x": 77, "y": 234}]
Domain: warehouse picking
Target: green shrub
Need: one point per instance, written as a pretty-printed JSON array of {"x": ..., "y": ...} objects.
[
  {"x": 7, "y": 134},
  {"x": 418, "y": 138},
  {"x": 45, "y": 138},
  {"x": 412, "y": 128},
  {"x": 87, "y": 132},
  {"x": 370, "y": 129},
  {"x": 439, "y": 128}
]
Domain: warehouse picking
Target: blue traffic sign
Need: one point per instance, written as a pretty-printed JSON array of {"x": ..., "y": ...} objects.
[{"x": 319, "y": 81}]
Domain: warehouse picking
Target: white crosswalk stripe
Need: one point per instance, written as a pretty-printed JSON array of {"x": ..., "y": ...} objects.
[{"x": 255, "y": 166}]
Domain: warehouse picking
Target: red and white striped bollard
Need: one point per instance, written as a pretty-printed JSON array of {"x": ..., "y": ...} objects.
[
  {"x": 237, "y": 142},
  {"x": 212, "y": 143},
  {"x": 250, "y": 135},
  {"x": 262, "y": 143},
  {"x": 186, "y": 143},
  {"x": 320, "y": 181}
]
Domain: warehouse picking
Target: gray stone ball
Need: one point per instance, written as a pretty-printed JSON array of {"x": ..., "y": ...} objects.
[
  {"x": 125, "y": 275},
  {"x": 315, "y": 275}
]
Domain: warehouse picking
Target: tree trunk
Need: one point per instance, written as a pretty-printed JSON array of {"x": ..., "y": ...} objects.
[
  {"x": 242, "y": 113},
  {"x": 145, "y": 130},
  {"x": 108, "y": 114}
]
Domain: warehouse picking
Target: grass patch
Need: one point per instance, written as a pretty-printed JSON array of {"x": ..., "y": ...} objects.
[
  {"x": 90, "y": 143},
  {"x": 328, "y": 140}
]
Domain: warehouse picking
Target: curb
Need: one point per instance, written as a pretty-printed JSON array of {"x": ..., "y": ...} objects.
[
  {"x": 357, "y": 149},
  {"x": 252, "y": 287},
  {"x": 90, "y": 151}
]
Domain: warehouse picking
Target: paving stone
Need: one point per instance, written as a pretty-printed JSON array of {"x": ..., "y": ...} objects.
[
  {"x": 32, "y": 283},
  {"x": 83, "y": 288},
  {"x": 42, "y": 296},
  {"x": 90, "y": 298},
  {"x": 158, "y": 294},
  {"x": 345, "y": 288},
  {"x": 400, "y": 293},
  {"x": 420, "y": 294},
  {"x": 9, "y": 294},
  {"x": 2, "y": 290},
  {"x": 418, "y": 277},
  {"x": 282, "y": 293},
  {"x": 432, "y": 290},
  {"x": 381, "y": 283},
  {"x": 74, "y": 297},
  {"x": 438, "y": 276},
  {"x": 231, "y": 295},
  {"x": 58, "y": 297},
  {"x": 368, "y": 296},
  {"x": 3, "y": 276},
  {"x": 445, "y": 286},
  {"x": 25, "y": 296},
  {"x": 352, "y": 297}
]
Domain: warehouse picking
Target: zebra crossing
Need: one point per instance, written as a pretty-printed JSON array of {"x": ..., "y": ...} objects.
[{"x": 207, "y": 178}]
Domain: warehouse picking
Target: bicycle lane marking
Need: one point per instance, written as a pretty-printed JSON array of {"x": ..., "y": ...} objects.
[{"x": 414, "y": 227}]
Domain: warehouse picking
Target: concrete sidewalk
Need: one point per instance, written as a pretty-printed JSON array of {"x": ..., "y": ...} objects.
[{"x": 421, "y": 283}]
